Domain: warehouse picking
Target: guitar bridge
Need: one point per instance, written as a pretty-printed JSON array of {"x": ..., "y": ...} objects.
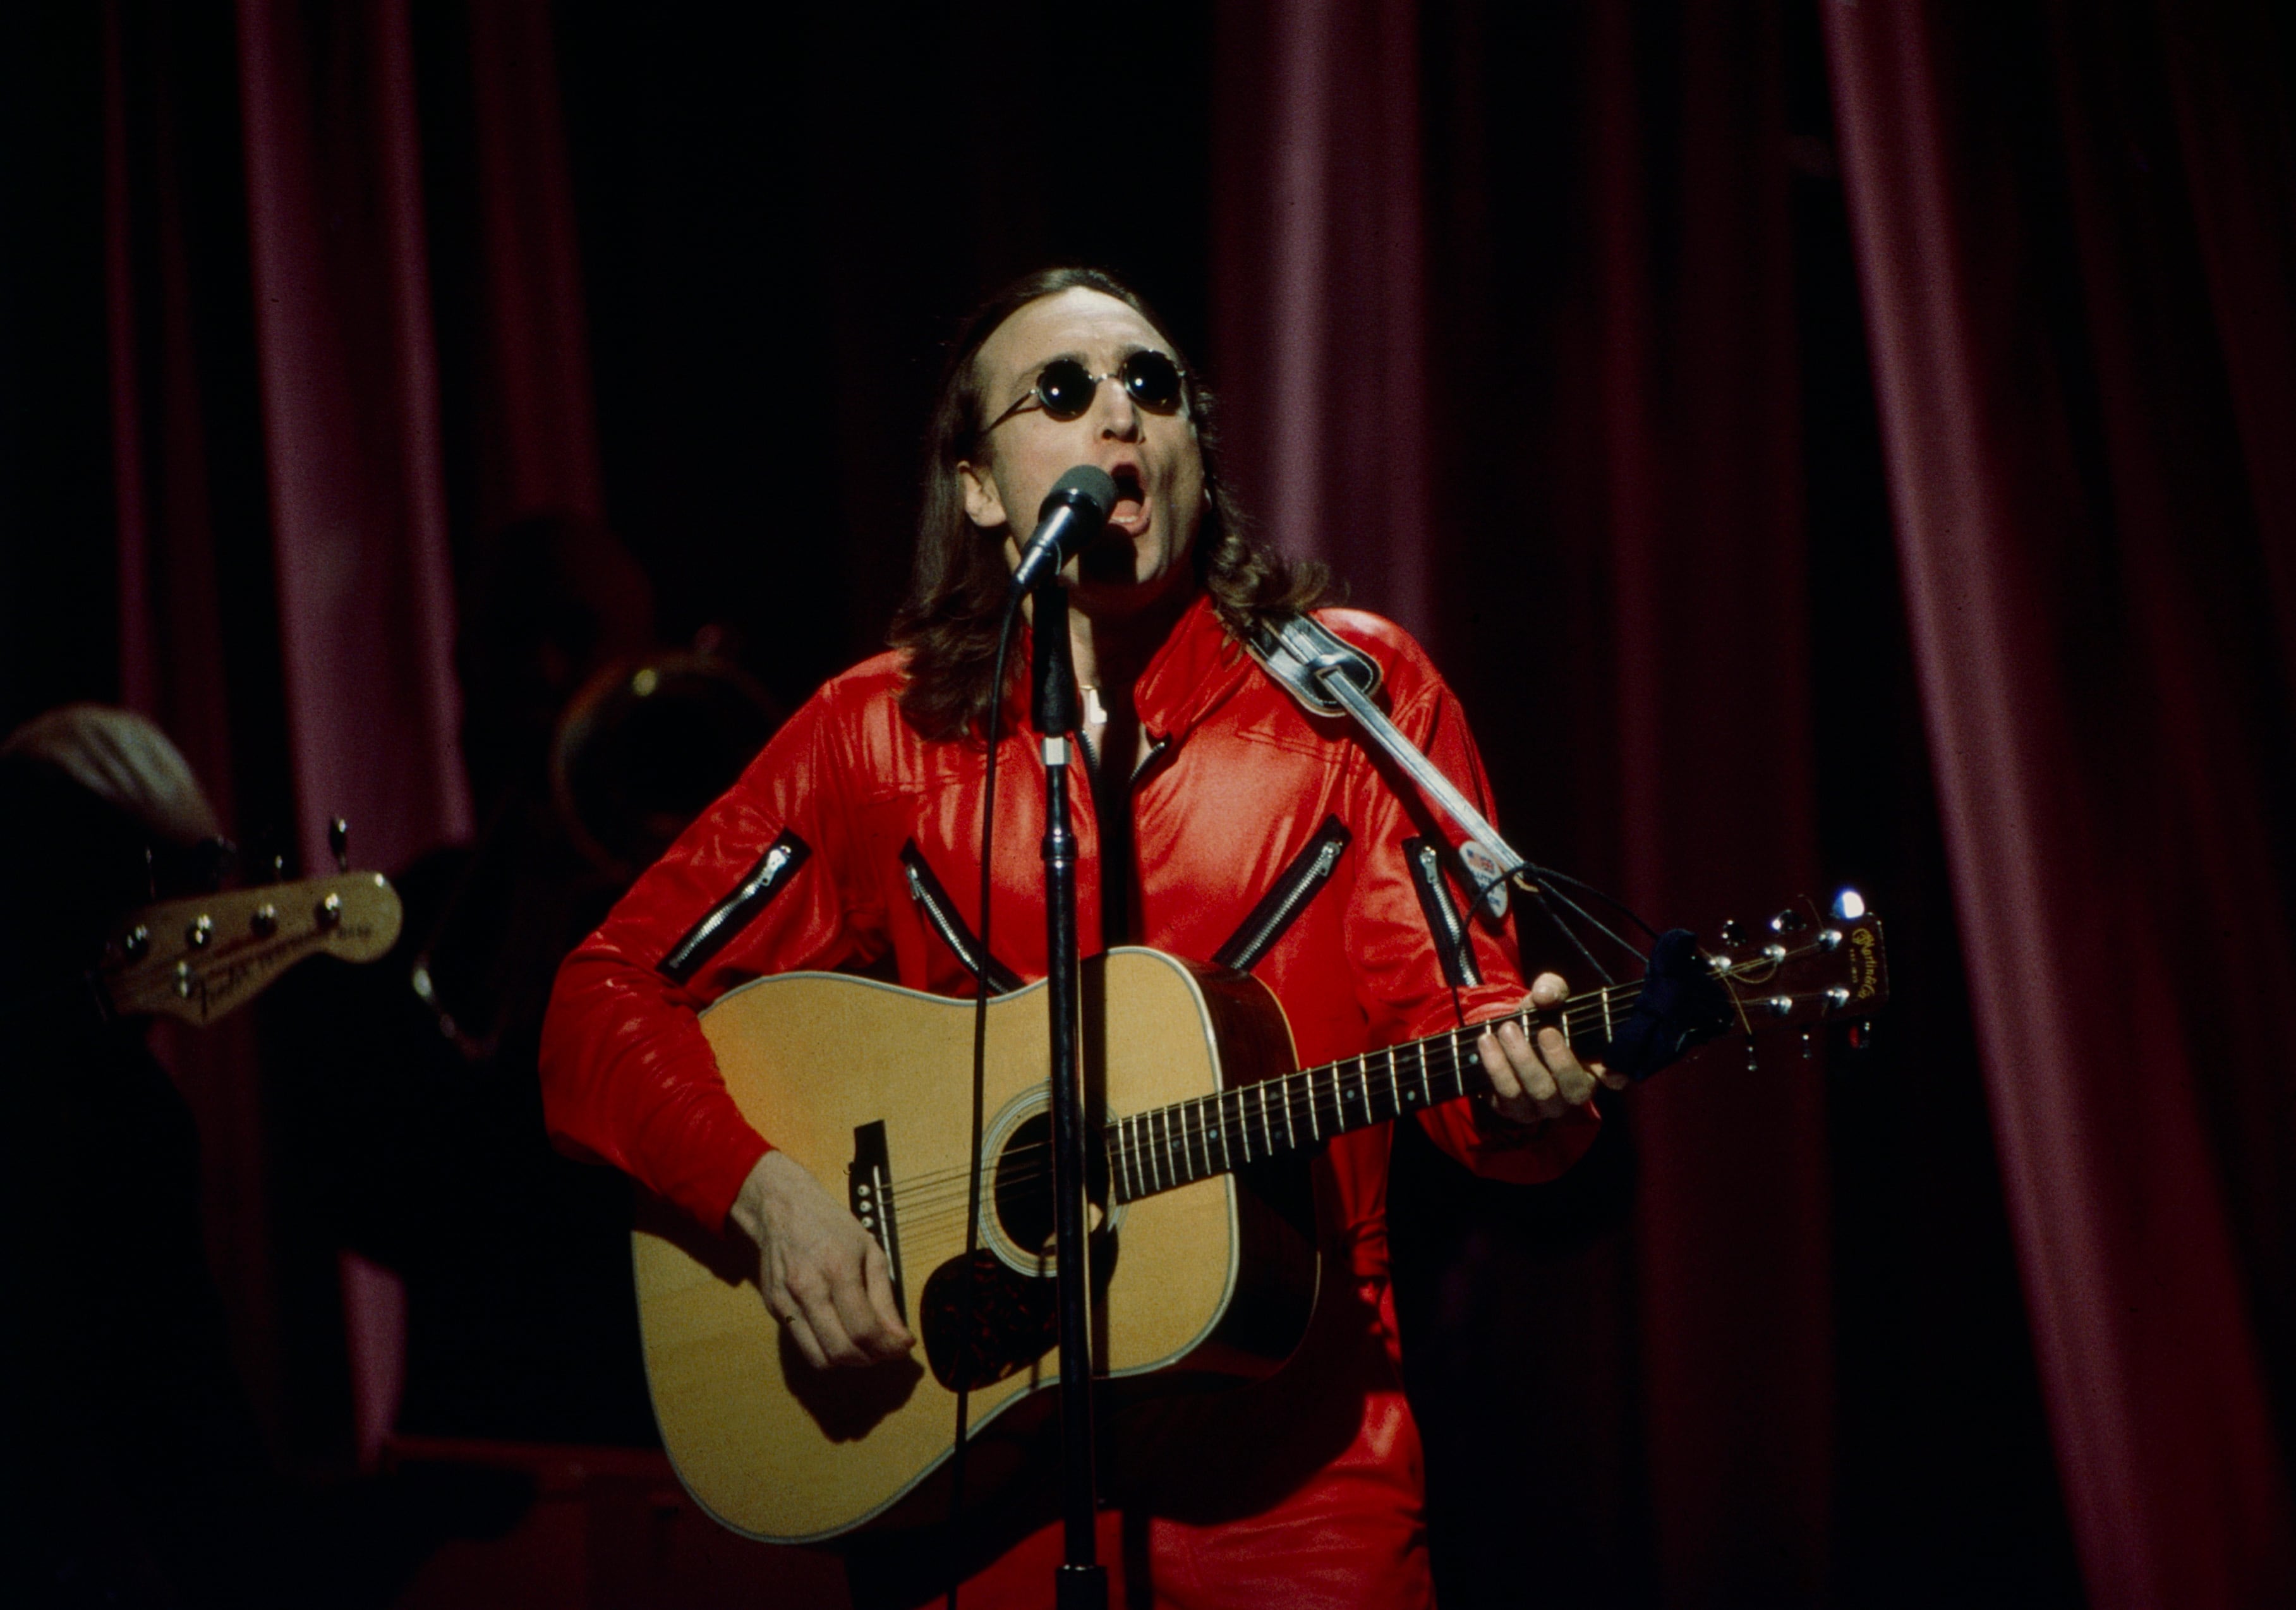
[{"x": 869, "y": 1193}]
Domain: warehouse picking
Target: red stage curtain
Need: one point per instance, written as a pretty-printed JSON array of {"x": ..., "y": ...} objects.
[
  {"x": 1508, "y": 301},
  {"x": 1318, "y": 323},
  {"x": 537, "y": 429},
  {"x": 1690, "y": 678},
  {"x": 2074, "y": 227},
  {"x": 350, "y": 424},
  {"x": 286, "y": 584}
]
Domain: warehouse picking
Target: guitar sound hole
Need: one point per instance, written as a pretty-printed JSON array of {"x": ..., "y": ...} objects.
[
  {"x": 1023, "y": 1193},
  {"x": 1024, "y": 1181}
]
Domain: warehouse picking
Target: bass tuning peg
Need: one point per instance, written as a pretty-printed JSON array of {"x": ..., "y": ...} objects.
[{"x": 338, "y": 840}]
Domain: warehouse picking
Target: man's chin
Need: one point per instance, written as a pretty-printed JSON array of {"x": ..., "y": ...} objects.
[
  {"x": 1108, "y": 565},
  {"x": 1128, "y": 593}
]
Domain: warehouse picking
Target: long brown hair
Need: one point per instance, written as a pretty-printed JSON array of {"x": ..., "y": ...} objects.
[{"x": 958, "y": 586}]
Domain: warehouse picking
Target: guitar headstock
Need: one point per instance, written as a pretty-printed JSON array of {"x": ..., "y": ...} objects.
[
  {"x": 199, "y": 959},
  {"x": 1804, "y": 966}
]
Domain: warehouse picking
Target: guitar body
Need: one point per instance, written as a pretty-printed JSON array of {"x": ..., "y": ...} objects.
[
  {"x": 869, "y": 1086},
  {"x": 1202, "y": 1247}
]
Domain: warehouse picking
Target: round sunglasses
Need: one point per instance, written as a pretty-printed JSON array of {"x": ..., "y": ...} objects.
[{"x": 1065, "y": 388}]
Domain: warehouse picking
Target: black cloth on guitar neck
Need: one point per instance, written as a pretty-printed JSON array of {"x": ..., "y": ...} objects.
[{"x": 1682, "y": 1005}]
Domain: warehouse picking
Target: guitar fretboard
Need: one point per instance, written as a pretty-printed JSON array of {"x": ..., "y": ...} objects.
[
  {"x": 1166, "y": 1147},
  {"x": 1831, "y": 970}
]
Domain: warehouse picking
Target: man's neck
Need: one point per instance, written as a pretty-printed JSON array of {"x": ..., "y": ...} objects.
[{"x": 1112, "y": 650}]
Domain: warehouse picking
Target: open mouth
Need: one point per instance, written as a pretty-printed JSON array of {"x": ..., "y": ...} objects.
[{"x": 1130, "y": 514}]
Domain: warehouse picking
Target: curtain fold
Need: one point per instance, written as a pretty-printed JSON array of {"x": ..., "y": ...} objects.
[
  {"x": 195, "y": 619},
  {"x": 540, "y": 447},
  {"x": 1319, "y": 322},
  {"x": 1699, "y": 536},
  {"x": 2076, "y": 419},
  {"x": 285, "y": 565},
  {"x": 1560, "y": 320},
  {"x": 350, "y": 413},
  {"x": 1504, "y": 304}
]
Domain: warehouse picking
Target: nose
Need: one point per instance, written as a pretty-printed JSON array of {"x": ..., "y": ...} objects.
[{"x": 1119, "y": 417}]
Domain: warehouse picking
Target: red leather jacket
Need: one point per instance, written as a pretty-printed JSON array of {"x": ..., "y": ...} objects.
[
  {"x": 852, "y": 841},
  {"x": 1261, "y": 837}
]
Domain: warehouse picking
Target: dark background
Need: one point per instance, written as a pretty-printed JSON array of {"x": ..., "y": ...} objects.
[{"x": 1770, "y": 1344}]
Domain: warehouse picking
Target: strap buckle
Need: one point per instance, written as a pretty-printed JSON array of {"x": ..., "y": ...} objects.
[{"x": 1330, "y": 676}]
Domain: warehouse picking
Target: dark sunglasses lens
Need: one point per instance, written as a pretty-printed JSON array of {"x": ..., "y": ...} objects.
[
  {"x": 1065, "y": 388},
  {"x": 1153, "y": 380}
]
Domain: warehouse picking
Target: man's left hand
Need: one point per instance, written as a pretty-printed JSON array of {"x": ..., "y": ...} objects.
[{"x": 1536, "y": 1078}]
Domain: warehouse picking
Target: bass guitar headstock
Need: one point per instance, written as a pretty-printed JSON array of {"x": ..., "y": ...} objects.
[{"x": 199, "y": 959}]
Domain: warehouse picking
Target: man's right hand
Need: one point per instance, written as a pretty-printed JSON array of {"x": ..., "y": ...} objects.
[{"x": 823, "y": 1277}]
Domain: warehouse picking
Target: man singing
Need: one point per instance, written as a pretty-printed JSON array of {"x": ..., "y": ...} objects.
[{"x": 1211, "y": 788}]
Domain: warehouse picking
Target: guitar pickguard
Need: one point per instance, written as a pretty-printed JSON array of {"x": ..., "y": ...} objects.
[{"x": 1015, "y": 1320}]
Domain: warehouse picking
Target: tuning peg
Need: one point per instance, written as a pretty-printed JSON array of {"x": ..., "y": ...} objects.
[
  {"x": 1734, "y": 936},
  {"x": 1788, "y": 921},
  {"x": 1753, "y": 1059},
  {"x": 338, "y": 840},
  {"x": 1808, "y": 1050}
]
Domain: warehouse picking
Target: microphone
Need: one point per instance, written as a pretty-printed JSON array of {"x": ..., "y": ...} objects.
[{"x": 1071, "y": 516}]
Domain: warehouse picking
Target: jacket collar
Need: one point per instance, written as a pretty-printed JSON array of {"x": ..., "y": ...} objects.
[
  {"x": 1195, "y": 669},
  {"x": 1195, "y": 672}
]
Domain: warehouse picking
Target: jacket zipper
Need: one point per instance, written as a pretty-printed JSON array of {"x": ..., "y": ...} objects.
[
  {"x": 1282, "y": 905},
  {"x": 1443, "y": 920},
  {"x": 933, "y": 901},
  {"x": 1156, "y": 748},
  {"x": 738, "y": 909}
]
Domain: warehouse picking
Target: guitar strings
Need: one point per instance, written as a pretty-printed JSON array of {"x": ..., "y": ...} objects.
[
  {"x": 1300, "y": 1093},
  {"x": 1288, "y": 1112},
  {"x": 931, "y": 1211},
  {"x": 1578, "y": 1015},
  {"x": 919, "y": 1199},
  {"x": 1329, "y": 1090},
  {"x": 1302, "y": 1090},
  {"x": 1335, "y": 1085}
]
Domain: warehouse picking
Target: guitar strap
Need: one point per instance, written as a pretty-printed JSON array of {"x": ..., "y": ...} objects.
[{"x": 1330, "y": 676}]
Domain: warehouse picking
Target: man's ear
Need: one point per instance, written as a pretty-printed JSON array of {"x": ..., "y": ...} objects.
[{"x": 982, "y": 503}]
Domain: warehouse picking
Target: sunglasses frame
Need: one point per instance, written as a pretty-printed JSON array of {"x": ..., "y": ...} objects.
[{"x": 1123, "y": 371}]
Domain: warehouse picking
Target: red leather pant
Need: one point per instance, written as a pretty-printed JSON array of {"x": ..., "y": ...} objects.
[{"x": 1210, "y": 1531}]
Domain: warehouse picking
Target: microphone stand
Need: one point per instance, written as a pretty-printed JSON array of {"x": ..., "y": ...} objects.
[{"x": 1081, "y": 1582}]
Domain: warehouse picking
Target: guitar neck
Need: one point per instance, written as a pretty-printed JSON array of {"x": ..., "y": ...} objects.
[
  {"x": 1814, "y": 971},
  {"x": 1166, "y": 1147}
]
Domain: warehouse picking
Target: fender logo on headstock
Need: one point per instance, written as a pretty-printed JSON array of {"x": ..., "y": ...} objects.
[
  {"x": 217, "y": 989},
  {"x": 197, "y": 959}
]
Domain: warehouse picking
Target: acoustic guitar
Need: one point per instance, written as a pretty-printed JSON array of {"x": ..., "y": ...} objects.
[{"x": 1199, "y": 1273}]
